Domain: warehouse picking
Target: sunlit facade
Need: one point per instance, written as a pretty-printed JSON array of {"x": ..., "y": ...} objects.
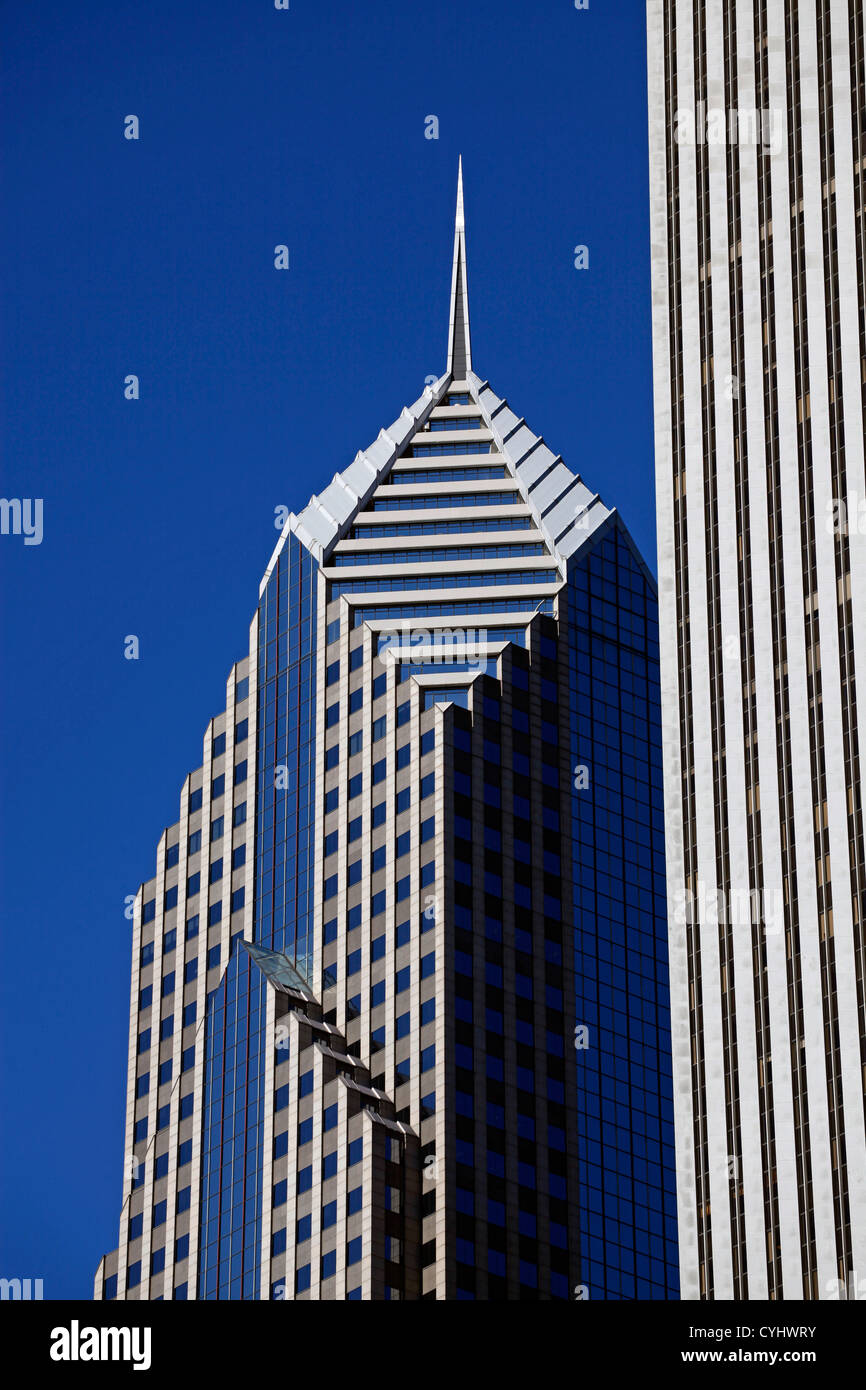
[{"x": 758, "y": 193}]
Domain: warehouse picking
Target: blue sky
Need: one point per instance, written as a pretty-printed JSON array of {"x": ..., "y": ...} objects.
[{"x": 156, "y": 257}]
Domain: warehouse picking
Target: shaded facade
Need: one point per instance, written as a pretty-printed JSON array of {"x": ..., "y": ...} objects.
[{"x": 399, "y": 1013}]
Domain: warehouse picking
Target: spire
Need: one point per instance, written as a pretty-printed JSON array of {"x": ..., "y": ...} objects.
[{"x": 459, "y": 347}]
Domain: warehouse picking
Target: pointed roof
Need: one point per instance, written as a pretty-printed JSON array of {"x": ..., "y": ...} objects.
[
  {"x": 567, "y": 512},
  {"x": 459, "y": 344}
]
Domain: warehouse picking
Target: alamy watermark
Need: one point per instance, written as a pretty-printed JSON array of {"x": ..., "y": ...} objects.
[
  {"x": 77, "y": 1343},
  {"x": 846, "y": 1290},
  {"x": 419, "y": 646},
  {"x": 21, "y": 1289},
  {"x": 740, "y": 907},
  {"x": 846, "y": 517},
  {"x": 717, "y": 125},
  {"x": 22, "y": 516}
]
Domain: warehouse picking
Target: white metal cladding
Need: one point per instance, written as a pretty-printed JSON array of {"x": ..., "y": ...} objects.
[{"x": 793, "y": 233}]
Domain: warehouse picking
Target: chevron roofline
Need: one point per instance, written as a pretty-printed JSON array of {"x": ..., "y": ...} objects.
[
  {"x": 566, "y": 511},
  {"x": 322, "y": 522}
]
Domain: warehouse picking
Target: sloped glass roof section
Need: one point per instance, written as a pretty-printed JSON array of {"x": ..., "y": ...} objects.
[{"x": 279, "y": 969}]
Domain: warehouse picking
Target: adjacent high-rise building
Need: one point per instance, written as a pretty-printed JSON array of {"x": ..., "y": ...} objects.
[
  {"x": 399, "y": 1008},
  {"x": 758, "y": 191}
]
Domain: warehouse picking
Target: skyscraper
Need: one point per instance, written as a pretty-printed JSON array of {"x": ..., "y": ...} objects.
[
  {"x": 399, "y": 1010},
  {"x": 758, "y": 162}
]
